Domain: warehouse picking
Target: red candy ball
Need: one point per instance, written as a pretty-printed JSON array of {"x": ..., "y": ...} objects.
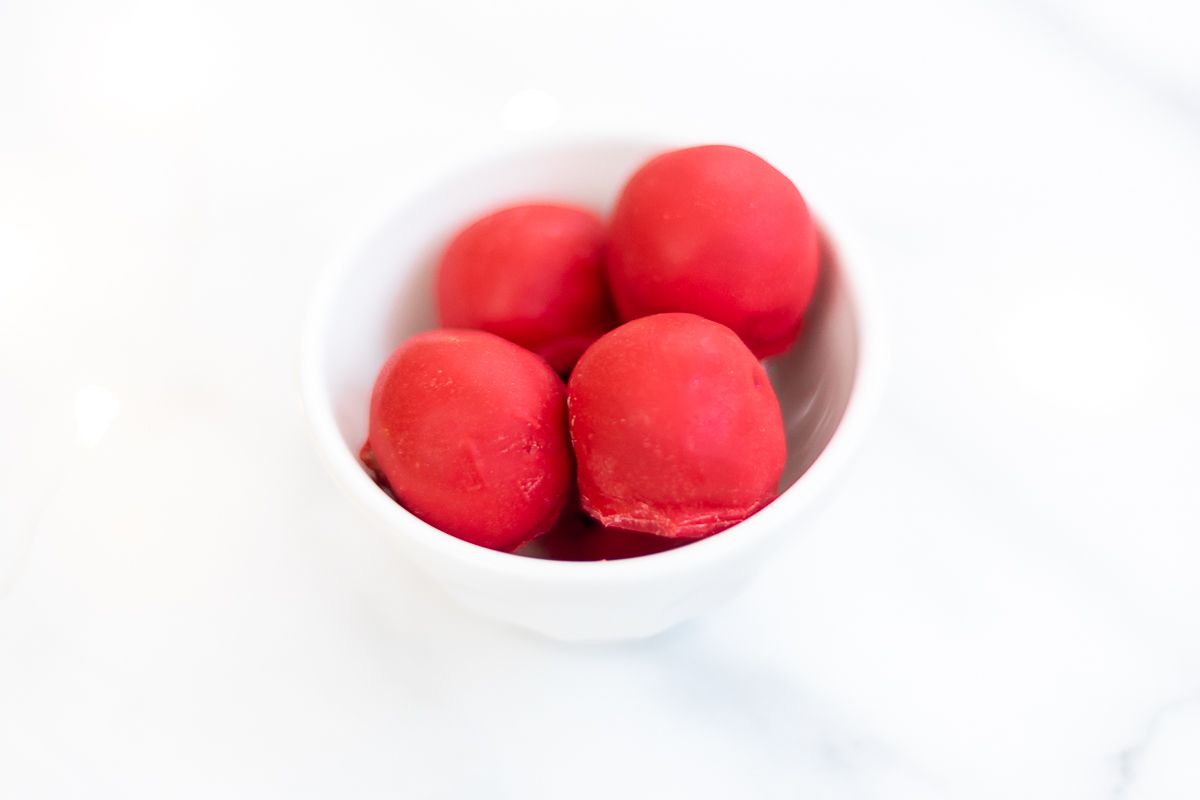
[
  {"x": 715, "y": 231},
  {"x": 470, "y": 433},
  {"x": 676, "y": 428},
  {"x": 532, "y": 274}
]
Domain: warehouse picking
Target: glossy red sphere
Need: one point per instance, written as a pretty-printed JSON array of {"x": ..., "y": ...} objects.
[
  {"x": 532, "y": 274},
  {"x": 676, "y": 429},
  {"x": 469, "y": 432},
  {"x": 719, "y": 232}
]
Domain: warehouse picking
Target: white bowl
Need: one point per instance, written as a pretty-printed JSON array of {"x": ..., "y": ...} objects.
[{"x": 382, "y": 293}]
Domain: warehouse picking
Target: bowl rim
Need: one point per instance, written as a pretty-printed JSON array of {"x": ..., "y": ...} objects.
[{"x": 771, "y": 520}]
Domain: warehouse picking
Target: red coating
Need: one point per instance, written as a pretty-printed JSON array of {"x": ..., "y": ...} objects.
[
  {"x": 676, "y": 428},
  {"x": 715, "y": 231},
  {"x": 532, "y": 274},
  {"x": 470, "y": 432},
  {"x": 578, "y": 537}
]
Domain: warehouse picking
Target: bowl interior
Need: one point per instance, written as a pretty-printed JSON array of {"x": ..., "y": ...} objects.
[{"x": 384, "y": 292}]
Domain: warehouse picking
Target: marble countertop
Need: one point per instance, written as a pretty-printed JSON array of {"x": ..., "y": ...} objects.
[{"x": 1002, "y": 602}]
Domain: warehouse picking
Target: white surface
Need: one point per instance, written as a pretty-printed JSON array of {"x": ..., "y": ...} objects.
[
  {"x": 380, "y": 293},
  {"x": 1001, "y": 604}
]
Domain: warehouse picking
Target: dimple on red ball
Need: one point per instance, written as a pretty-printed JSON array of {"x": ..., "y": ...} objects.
[
  {"x": 716, "y": 231},
  {"x": 532, "y": 274},
  {"x": 470, "y": 433},
  {"x": 676, "y": 428}
]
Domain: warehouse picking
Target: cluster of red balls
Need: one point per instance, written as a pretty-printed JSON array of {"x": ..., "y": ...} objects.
[{"x": 667, "y": 428}]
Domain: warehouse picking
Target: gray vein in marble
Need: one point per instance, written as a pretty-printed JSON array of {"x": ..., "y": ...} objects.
[
  {"x": 1096, "y": 49},
  {"x": 1128, "y": 759}
]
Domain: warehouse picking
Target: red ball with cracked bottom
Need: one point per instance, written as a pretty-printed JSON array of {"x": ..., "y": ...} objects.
[
  {"x": 676, "y": 428},
  {"x": 578, "y": 537},
  {"x": 470, "y": 433},
  {"x": 715, "y": 231},
  {"x": 533, "y": 274}
]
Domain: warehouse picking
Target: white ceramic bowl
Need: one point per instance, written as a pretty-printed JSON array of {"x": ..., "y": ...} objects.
[{"x": 382, "y": 292}]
